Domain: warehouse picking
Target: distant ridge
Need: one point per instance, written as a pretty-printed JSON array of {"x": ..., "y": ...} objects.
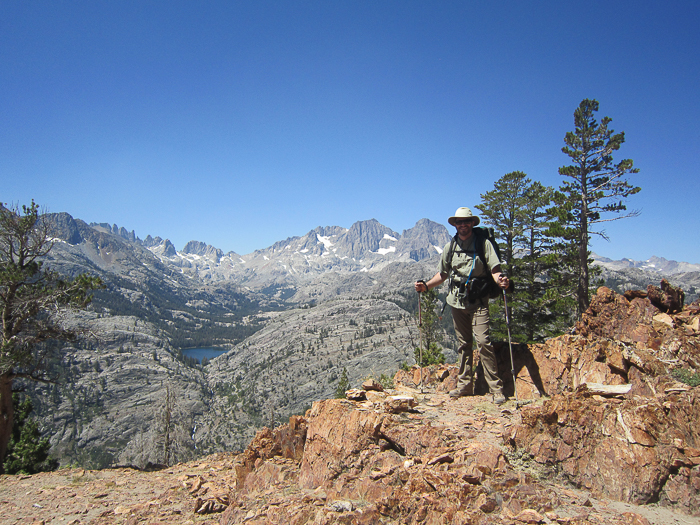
[{"x": 653, "y": 264}]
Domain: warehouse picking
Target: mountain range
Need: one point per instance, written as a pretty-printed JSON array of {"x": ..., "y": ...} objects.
[
  {"x": 365, "y": 247},
  {"x": 653, "y": 265},
  {"x": 293, "y": 317}
]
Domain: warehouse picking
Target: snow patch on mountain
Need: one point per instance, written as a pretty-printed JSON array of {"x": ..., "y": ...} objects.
[{"x": 326, "y": 241}]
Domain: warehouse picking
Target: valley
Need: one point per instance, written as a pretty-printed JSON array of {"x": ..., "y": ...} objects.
[{"x": 293, "y": 318}]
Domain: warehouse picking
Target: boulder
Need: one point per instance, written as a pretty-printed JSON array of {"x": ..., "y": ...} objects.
[{"x": 667, "y": 298}]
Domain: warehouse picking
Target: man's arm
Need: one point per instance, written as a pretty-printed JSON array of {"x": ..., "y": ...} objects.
[
  {"x": 490, "y": 254},
  {"x": 435, "y": 280}
]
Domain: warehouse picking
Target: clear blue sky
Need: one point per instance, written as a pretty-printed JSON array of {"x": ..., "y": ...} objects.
[{"x": 243, "y": 123}]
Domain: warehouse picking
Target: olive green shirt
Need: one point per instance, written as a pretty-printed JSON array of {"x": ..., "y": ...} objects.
[{"x": 463, "y": 258}]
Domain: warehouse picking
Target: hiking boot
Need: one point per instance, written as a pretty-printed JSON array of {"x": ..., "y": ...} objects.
[
  {"x": 460, "y": 392},
  {"x": 499, "y": 399}
]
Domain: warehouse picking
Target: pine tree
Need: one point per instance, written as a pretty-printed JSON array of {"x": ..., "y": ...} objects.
[
  {"x": 519, "y": 210},
  {"x": 27, "y": 451},
  {"x": 343, "y": 385},
  {"x": 32, "y": 299},
  {"x": 541, "y": 316},
  {"x": 502, "y": 208},
  {"x": 593, "y": 189},
  {"x": 429, "y": 353}
]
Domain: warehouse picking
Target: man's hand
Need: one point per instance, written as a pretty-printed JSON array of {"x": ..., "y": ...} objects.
[
  {"x": 503, "y": 281},
  {"x": 421, "y": 286}
]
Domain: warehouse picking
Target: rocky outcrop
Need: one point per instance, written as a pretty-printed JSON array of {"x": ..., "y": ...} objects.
[
  {"x": 605, "y": 416},
  {"x": 639, "y": 447},
  {"x": 364, "y": 464},
  {"x": 441, "y": 462},
  {"x": 64, "y": 227},
  {"x": 639, "y": 450}
]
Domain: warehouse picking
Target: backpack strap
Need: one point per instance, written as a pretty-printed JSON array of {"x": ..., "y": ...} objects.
[
  {"x": 482, "y": 235},
  {"x": 450, "y": 254},
  {"x": 451, "y": 250}
]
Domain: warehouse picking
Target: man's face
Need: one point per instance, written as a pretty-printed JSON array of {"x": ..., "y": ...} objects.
[{"x": 464, "y": 227}]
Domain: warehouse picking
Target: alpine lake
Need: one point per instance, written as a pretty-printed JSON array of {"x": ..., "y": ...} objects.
[{"x": 201, "y": 353}]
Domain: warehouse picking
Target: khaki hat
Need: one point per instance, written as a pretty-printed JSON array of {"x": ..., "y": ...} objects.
[{"x": 463, "y": 213}]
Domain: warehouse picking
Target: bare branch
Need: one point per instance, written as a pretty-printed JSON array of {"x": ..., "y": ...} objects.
[{"x": 634, "y": 213}]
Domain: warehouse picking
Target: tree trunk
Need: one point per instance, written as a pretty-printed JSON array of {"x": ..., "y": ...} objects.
[
  {"x": 583, "y": 281},
  {"x": 6, "y": 415}
]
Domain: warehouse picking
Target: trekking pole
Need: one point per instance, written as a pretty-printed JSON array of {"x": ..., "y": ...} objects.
[
  {"x": 420, "y": 337},
  {"x": 510, "y": 344}
]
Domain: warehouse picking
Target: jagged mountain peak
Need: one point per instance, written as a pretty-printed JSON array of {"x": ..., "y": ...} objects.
[
  {"x": 204, "y": 250},
  {"x": 65, "y": 228},
  {"x": 116, "y": 230},
  {"x": 163, "y": 248}
]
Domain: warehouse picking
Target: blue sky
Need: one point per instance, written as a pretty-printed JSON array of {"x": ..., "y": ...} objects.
[{"x": 243, "y": 123}]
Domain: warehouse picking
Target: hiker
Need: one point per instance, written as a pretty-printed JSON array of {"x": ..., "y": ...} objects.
[{"x": 468, "y": 270}]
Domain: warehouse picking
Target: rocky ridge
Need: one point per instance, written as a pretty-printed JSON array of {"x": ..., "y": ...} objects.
[
  {"x": 658, "y": 265},
  {"x": 607, "y": 436}
]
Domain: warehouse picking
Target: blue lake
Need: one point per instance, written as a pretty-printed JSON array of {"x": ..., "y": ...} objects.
[{"x": 201, "y": 353}]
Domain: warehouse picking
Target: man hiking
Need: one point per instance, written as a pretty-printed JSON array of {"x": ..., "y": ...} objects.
[{"x": 470, "y": 263}]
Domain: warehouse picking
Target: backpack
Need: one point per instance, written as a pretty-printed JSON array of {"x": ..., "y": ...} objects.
[{"x": 477, "y": 287}]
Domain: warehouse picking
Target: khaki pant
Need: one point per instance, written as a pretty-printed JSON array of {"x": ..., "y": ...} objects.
[{"x": 473, "y": 323}]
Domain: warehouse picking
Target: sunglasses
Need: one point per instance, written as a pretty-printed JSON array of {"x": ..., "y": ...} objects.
[{"x": 461, "y": 222}]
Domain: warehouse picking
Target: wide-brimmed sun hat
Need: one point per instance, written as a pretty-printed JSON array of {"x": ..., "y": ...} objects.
[{"x": 463, "y": 213}]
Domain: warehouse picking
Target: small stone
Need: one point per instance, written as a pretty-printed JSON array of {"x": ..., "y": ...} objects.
[
  {"x": 530, "y": 516},
  {"x": 396, "y": 404},
  {"x": 486, "y": 504},
  {"x": 664, "y": 318},
  {"x": 355, "y": 394},
  {"x": 635, "y": 519},
  {"x": 695, "y": 324},
  {"x": 340, "y": 506},
  {"x": 372, "y": 384},
  {"x": 444, "y": 458}
]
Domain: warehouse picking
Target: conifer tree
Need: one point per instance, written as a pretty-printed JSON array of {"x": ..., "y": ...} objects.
[
  {"x": 502, "y": 209},
  {"x": 343, "y": 385},
  {"x": 32, "y": 302},
  {"x": 540, "y": 317},
  {"x": 430, "y": 331},
  {"x": 27, "y": 451},
  {"x": 519, "y": 210},
  {"x": 593, "y": 192}
]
